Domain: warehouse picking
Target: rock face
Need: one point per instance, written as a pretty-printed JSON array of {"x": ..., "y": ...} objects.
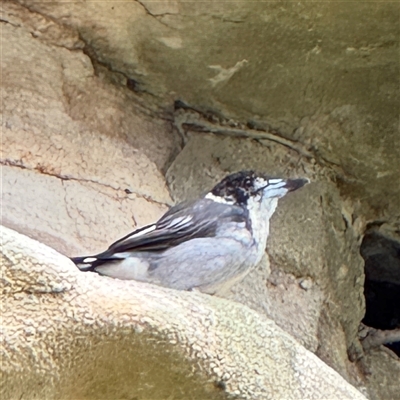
[
  {"x": 67, "y": 165},
  {"x": 317, "y": 74},
  {"x": 78, "y": 335},
  {"x": 103, "y": 103}
]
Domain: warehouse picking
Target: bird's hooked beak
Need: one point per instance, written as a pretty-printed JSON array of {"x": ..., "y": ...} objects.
[
  {"x": 277, "y": 187},
  {"x": 294, "y": 184}
]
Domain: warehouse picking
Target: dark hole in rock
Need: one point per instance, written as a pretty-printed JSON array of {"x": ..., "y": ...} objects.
[{"x": 382, "y": 283}]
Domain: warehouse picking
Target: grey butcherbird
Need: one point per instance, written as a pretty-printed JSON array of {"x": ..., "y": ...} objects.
[{"x": 207, "y": 244}]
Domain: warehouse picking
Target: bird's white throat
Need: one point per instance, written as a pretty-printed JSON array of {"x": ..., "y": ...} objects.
[{"x": 260, "y": 213}]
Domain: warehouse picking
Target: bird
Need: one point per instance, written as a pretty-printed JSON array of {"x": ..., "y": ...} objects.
[{"x": 207, "y": 244}]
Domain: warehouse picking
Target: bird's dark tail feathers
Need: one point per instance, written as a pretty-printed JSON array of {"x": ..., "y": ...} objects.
[
  {"x": 86, "y": 263},
  {"x": 91, "y": 262}
]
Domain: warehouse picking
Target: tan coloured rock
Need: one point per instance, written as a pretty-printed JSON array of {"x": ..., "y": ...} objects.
[
  {"x": 70, "y": 176},
  {"x": 383, "y": 370},
  {"x": 64, "y": 213},
  {"x": 80, "y": 335},
  {"x": 304, "y": 70},
  {"x": 302, "y": 74}
]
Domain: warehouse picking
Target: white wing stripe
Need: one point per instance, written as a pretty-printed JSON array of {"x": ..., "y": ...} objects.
[
  {"x": 143, "y": 232},
  {"x": 89, "y": 259},
  {"x": 185, "y": 220},
  {"x": 179, "y": 222}
]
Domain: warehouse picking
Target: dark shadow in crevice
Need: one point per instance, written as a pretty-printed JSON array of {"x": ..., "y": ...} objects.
[{"x": 382, "y": 283}]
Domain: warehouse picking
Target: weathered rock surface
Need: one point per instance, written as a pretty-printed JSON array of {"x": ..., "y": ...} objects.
[
  {"x": 379, "y": 363},
  {"x": 80, "y": 335},
  {"x": 67, "y": 163},
  {"x": 93, "y": 96},
  {"x": 320, "y": 75}
]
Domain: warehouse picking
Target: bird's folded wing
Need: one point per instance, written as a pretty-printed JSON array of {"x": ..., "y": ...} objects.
[{"x": 181, "y": 223}]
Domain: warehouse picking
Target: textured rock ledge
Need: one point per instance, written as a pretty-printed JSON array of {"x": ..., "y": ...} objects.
[{"x": 78, "y": 335}]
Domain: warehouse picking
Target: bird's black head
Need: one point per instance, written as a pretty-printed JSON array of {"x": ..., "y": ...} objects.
[{"x": 237, "y": 188}]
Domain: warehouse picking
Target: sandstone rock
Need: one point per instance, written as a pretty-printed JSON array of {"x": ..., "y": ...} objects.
[
  {"x": 80, "y": 335},
  {"x": 93, "y": 94},
  {"x": 70, "y": 176}
]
